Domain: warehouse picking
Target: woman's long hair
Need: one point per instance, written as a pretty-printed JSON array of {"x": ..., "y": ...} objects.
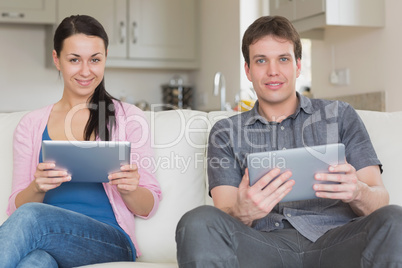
[{"x": 102, "y": 113}]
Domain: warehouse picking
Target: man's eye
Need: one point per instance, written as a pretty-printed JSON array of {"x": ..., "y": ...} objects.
[
  {"x": 283, "y": 59},
  {"x": 260, "y": 61}
]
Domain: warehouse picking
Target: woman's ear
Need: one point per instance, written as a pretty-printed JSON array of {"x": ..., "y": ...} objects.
[{"x": 56, "y": 60}]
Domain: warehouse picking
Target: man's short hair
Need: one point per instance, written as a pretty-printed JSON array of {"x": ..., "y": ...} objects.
[{"x": 276, "y": 26}]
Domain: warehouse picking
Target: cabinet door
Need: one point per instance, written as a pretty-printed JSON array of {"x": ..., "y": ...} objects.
[
  {"x": 162, "y": 29},
  {"x": 285, "y": 8},
  {"x": 307, "y": 8},
  {"x": 112, "y": 14},
  {"x": 28, "y": 11}
]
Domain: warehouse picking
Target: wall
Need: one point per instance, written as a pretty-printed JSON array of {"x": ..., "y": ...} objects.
[
  {"x": 250, "y": 11},
  {"x": 26, "y": 84},
  {"x": 222, "y": 24},
  {"x": 372, "y": 55},
  {"x": 219, "y": 51}
]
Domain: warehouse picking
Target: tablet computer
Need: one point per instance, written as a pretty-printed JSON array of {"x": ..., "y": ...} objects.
[
  {"x": 87, "y": 161},
  {"x": 303, "y": 162}
]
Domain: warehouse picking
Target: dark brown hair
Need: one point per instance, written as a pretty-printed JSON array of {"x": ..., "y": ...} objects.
[
  {"x": 102, "y": 115},
  {"x": 270, "y": 25}
]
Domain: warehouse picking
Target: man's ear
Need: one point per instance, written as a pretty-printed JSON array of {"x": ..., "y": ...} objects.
[
  {"x": 298, "y": 65},
  {"x": 247, "y": 69},
  {"x": 56, "y": 60}
]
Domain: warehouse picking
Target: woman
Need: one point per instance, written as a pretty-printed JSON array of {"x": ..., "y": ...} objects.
[{"x": 55, "y": 222}]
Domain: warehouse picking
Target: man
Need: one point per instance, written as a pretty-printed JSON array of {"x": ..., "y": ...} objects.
[{"x": 350, "y": 223}]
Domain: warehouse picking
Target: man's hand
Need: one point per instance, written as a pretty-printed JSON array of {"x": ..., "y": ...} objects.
[
  {"x": 363, "y": 190},
  {"x": 347, "y": 188},
  {"x": 257, "y": 201}
]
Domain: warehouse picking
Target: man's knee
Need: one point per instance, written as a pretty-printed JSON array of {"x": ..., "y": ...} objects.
[
  {"x": 391, "y": 214},
  {"x": 199, "y": 217},
  {"x": 386, "y": 223}
]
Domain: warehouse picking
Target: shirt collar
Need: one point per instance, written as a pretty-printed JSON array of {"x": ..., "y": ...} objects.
[{"x": 304, "y": 104}]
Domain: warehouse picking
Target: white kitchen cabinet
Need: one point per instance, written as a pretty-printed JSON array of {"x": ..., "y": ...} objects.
[
  {"x": 285, "y": 8},
  {"x": 297, "y": 9},
  {"x": 162, "y": 29},
  {"x": 28, "y": 11},
  {"x": 112, "y": 14},
  {"x": 143, "y": 33},
  {"x": 312, "y": 16},
  {"x": 307, "y": 8}
]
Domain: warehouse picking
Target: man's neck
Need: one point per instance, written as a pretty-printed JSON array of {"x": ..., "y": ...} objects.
[{"x": 277, "y": 112}]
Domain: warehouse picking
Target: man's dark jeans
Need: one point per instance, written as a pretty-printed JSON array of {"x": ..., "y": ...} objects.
[{"x": 208, "y": 237}]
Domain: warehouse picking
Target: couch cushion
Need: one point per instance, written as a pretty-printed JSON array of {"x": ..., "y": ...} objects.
[
  {"x": 179, "y": 147},
  {"x": 385, "y": 130},
  {"x": 214, "y": 117},
  {"x": 8, "y": 122}
]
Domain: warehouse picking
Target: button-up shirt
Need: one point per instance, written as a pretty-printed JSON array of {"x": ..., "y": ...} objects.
[{"x": 315, "y": 122}]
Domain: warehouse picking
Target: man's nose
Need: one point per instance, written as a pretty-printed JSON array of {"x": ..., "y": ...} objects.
[{"x": 272, "y": 69}]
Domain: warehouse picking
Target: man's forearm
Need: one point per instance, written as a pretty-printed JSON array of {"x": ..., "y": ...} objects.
[{"x": 370, "y": 199}]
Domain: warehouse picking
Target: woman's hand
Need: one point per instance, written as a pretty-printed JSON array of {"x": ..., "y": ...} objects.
[
  {"x": 47, "y": 177},
  {"x": 126, "y": 180}
]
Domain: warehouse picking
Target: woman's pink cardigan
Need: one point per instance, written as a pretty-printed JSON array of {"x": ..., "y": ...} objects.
[{"x": 131, "y": 125}]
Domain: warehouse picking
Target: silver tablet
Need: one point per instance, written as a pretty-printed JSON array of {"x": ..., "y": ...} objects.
[
  {"x": 87, "y": 161},
  {"x": 304, "y": 163}
]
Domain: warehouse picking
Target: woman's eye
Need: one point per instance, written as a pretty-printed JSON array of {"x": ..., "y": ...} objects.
[
  {"x": 95, "y": 60},
  {"x": 74, "y": 60}
]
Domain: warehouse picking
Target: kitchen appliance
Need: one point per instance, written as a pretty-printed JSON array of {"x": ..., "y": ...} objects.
[{"x": 176, "y": 95}]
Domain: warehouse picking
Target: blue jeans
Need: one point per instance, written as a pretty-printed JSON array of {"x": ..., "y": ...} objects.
[
  {"x": 56, "y": 237},
  {"x": 207, "y": 237}
]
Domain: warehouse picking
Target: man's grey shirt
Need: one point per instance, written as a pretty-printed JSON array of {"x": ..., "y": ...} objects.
[{"x": 315, "y": 122}]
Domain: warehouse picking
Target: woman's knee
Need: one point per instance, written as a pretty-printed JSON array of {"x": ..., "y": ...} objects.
[
  {"x": 38, "y": 258},
  {"x": 28, "y": 214}
]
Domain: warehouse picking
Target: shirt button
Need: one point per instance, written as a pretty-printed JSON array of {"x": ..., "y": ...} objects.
[
  {"x": 282, "y": 127},
  {"x": 289, "y": 215},
  {"x": 277, "y": 224}
]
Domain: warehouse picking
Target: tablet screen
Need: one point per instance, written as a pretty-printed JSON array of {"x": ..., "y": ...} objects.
[
  {"x": 303, "y": 162},
  {"x": 87, "y": 161}
]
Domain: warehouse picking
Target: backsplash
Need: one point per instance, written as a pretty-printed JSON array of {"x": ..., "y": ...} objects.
[{"x": 373, "y": 101}]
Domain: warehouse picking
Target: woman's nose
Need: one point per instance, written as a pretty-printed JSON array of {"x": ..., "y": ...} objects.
[{"x": 85, "y": 71}]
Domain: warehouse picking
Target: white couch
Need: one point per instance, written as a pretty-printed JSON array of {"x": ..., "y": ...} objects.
[{"x": 180, "y": 139}]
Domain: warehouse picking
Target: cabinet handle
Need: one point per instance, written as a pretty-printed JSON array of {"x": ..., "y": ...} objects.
[
  {"x": 122, "y": 32},
  {"x": 14, "y": 15},
  {"x": 134, "y": 32}
]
